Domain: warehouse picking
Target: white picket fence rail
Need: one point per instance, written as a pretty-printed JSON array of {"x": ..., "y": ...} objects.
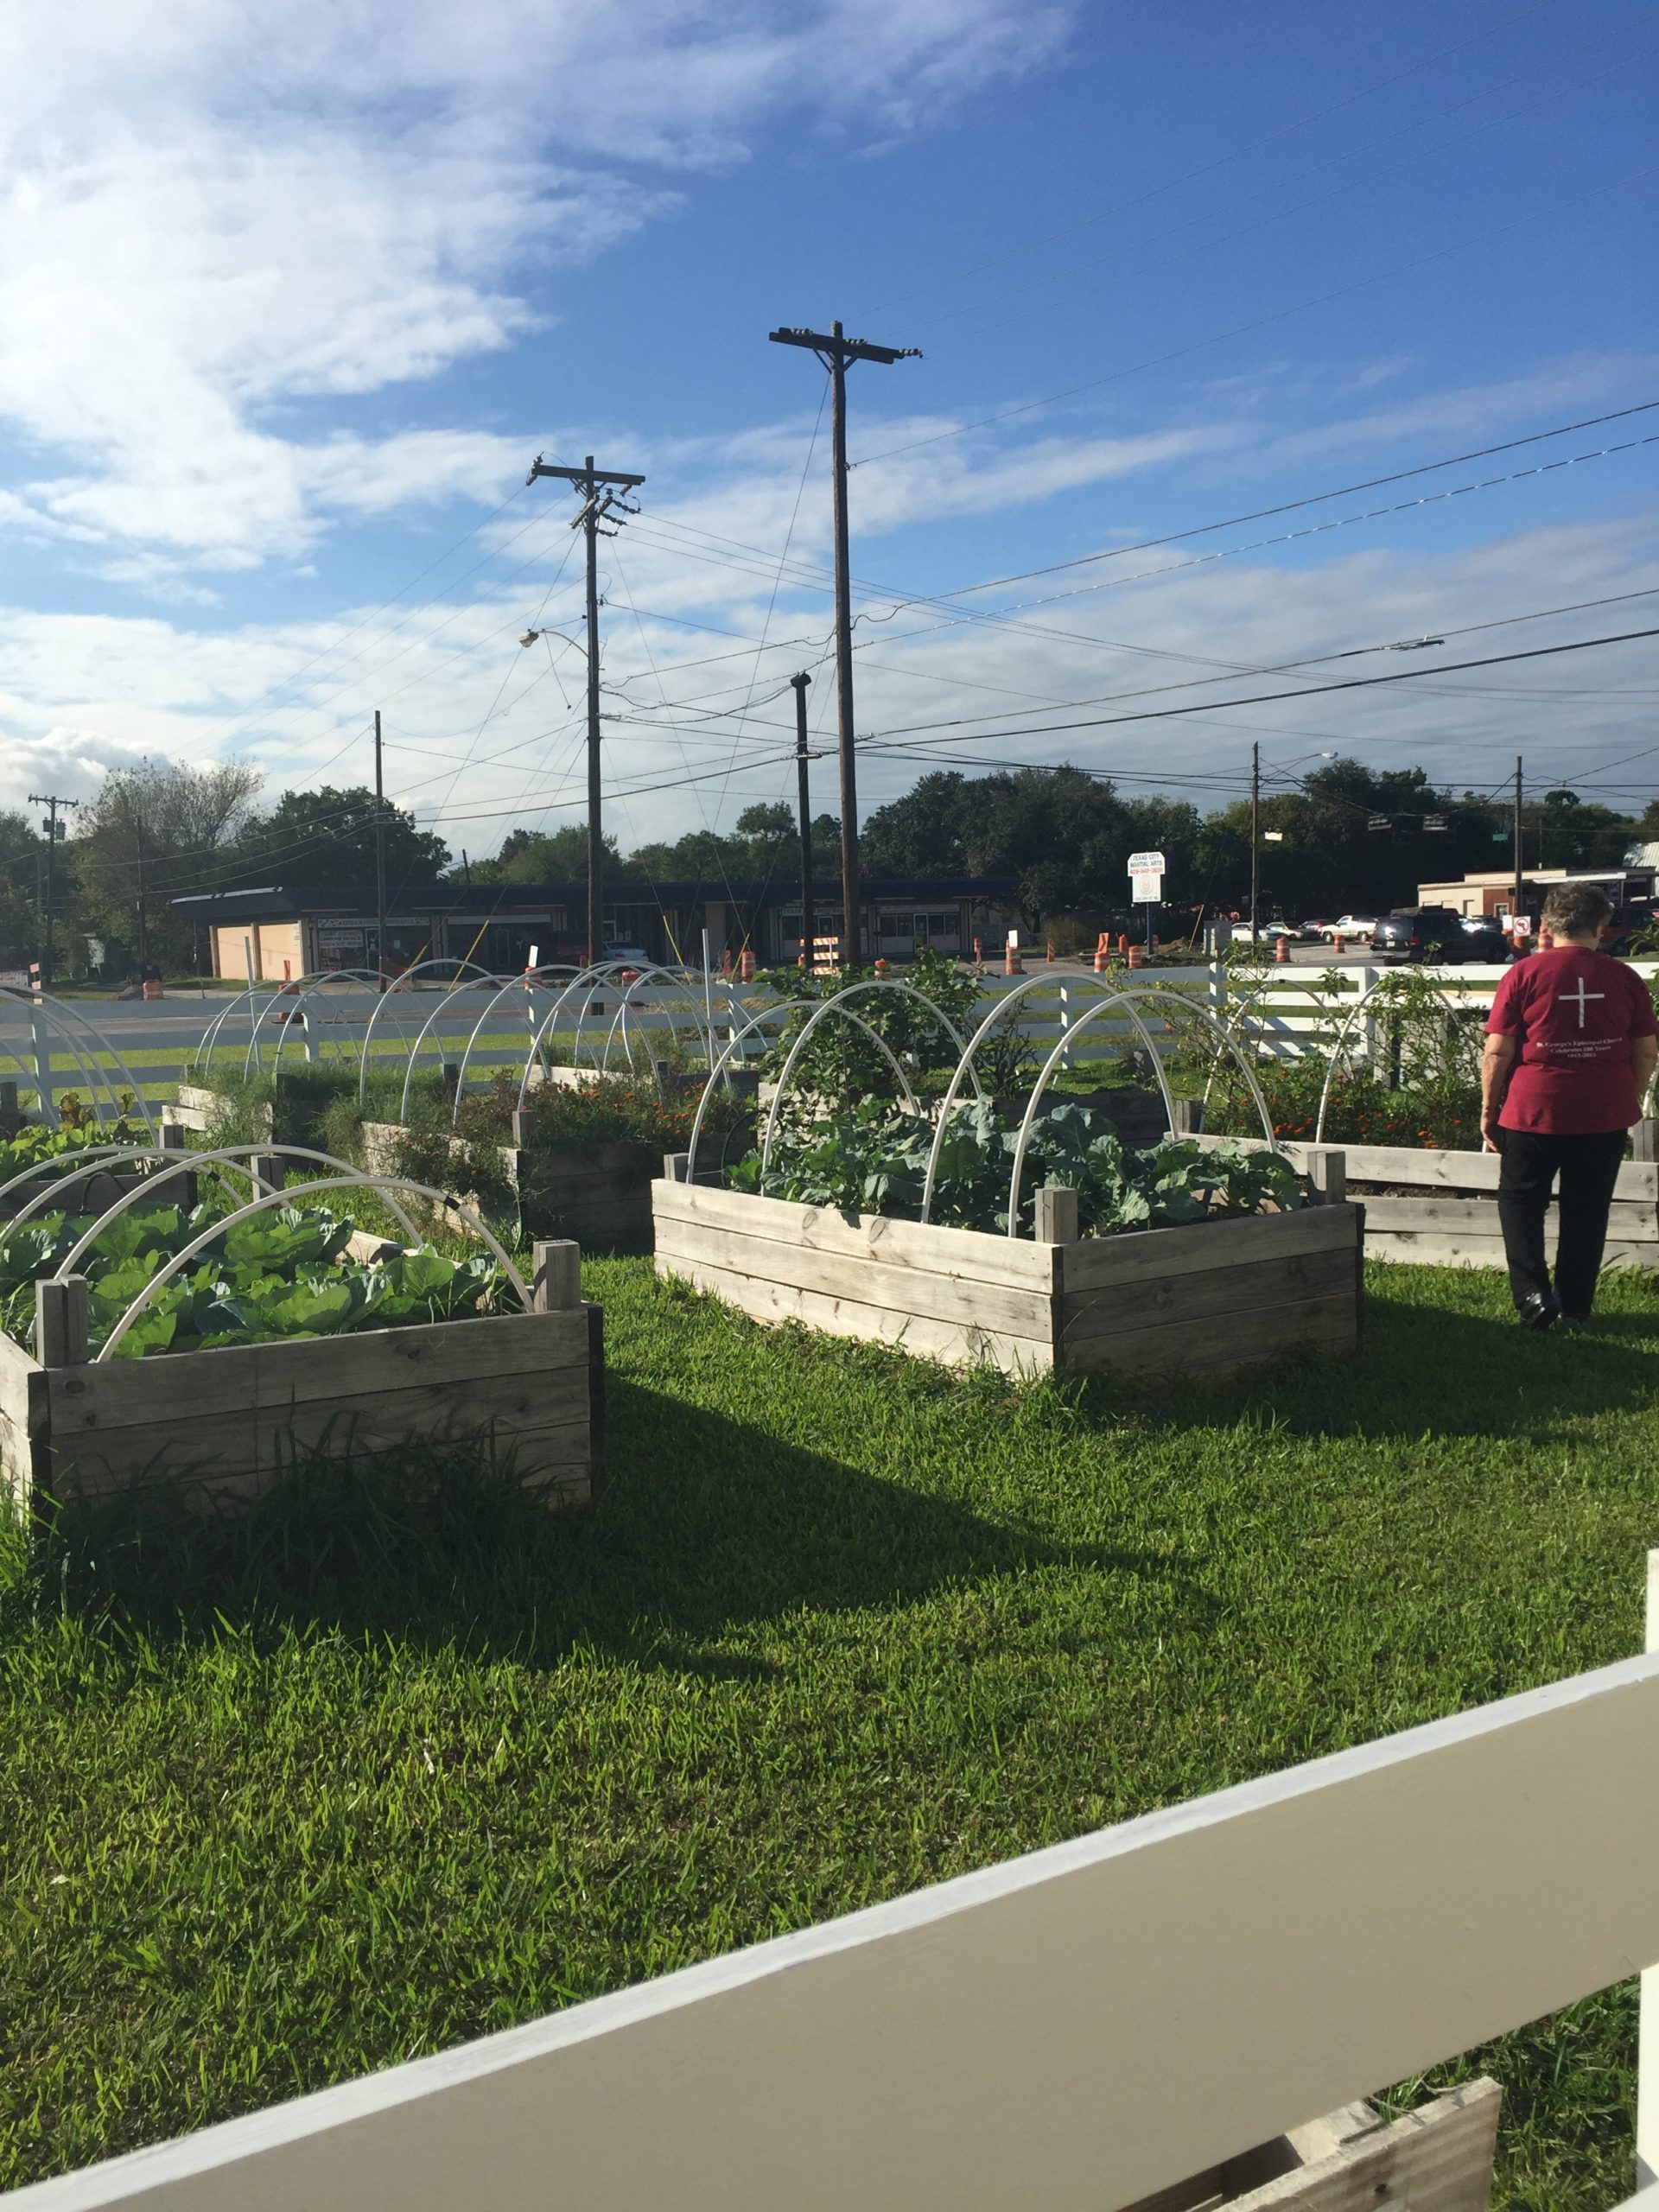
[{"x": 1071, "y": 2031}]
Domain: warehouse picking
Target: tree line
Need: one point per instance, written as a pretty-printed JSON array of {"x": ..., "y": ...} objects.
[{"x": 1347, "y": 836}]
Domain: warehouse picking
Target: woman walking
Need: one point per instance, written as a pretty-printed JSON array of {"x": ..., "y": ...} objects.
[{"x": 1570, "y": 1052}]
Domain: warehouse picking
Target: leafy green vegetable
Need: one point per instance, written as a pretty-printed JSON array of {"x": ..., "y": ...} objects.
[
  {"x": 873, "y": 1159},
  {"x": 283, "y": 1274}
]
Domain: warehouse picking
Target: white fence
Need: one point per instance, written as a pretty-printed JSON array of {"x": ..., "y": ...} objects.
[{"x": 1070, "y": 2031}]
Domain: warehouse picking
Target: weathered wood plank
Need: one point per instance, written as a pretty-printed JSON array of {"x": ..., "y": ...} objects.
[
  {"x": 237, "y": 1457},
  {"x": 1005, "y": 1310},
  {"x": 1097, "y": 1263},
  {"x": 1638, "y": 1180},
  {"x": 1218, "y": 1293},
  {"x": 108, "y": 1393},
  {"x": 840, "y": 1317},
  {"x": 1327, "y": 1323},
  {"x": 1435, "y": 1249},
  {"x": 971, "y": 1254},
  {"x": 539, "y": 1394},
  {"x": 1631, "y": 1225},
  {"x": 1436, "y": 2160}
]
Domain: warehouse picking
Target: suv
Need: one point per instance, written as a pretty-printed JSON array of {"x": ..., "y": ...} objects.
[{"x": 1424, "y": 933}]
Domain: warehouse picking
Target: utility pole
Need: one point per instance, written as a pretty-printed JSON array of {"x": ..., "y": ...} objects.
[
  {"x": 1515, "y": 911},
  {"x": 379, "y": 862},
  {"x": 835, "y": 351},
  {"x": 601, "y": 491},
  {"x": 51, "y": 802},
  {"x": 1256, "y": 839},
  {"x": 144, "y": 920},
  {"x": 802, "y": 756}
]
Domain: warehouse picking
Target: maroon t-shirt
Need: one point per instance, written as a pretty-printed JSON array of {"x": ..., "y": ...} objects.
[{"x": 1573, "y": 1014}]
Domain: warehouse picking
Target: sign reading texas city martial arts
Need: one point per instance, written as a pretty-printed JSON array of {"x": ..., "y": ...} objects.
[{"x": 1145, "y": 878}]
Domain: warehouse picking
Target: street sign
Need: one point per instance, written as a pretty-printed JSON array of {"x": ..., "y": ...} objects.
[
  {"x": 1146, "y": 864},
  {"x": 1146, "y": 887}
]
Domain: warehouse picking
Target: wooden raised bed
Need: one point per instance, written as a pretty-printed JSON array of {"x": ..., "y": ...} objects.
[
  {"x": 1209, "y": 1298},
  {"x": 225, "y": 1423},
  {"x": 1439, "y": 1209}
]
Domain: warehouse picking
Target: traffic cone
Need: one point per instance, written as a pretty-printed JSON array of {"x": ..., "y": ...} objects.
[
  {"x": 726, "y": 964},
  {"x": 1122, "y": 943},
  {"x": 1013, "y": 963},
  {"x": 1103, "y": 953},
  {"x": 1050, "y": 955},
  {"x": 1339, "y": 942},
  {"x": 1282, "y": 952}
]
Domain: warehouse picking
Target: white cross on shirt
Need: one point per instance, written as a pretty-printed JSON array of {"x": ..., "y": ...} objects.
[{"x": 1580, "y": 998}]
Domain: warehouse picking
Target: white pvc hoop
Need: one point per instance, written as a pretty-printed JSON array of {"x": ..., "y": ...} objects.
[
  {"x": 1391, "y": 981},
  {"x": 351, "y": 1178},
  {"x": 1125, "y": 997},
  {"x": 344, "y": 1047},
  {"x": 766, "y": 1014},
  {"x": 591, "y": 980},
  {"x": 393, "y": 989},
  {"x": 384, "y": 1183},
  {"x": 529, "y": 1010},
  {"x": 299, "y": 989},
  {"x": 966, "y": 1063},
  {"x": 83, "y": 1039},
  {"x": 830, "y": 1005}
]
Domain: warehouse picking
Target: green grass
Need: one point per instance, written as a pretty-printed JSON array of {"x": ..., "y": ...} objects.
[{"x": 372, "y": 1771}]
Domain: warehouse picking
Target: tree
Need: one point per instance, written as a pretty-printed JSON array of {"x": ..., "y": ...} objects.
[
  {"x": 557, "y": 857},
  {"x": 327, "y": 836},
  {"x": 22, "y": 880},
  {"x": 153, "y": 833}
]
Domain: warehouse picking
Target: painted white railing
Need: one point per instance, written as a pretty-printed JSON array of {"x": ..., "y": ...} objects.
[{"x": 1071, "y": 2031}]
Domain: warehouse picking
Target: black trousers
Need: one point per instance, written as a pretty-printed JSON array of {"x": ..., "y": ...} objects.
[{"x": 1588, "y": 1168}]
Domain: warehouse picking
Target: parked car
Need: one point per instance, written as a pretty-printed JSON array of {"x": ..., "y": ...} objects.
[
  {"x": 1635, "y": 915},
  {"x": 635, "y": 954},
  {"x": 1242, "y": 933},
  {"x": 1424, "y": 933},
  {"x": 1350, "y": 926},
  {"x": 1484, "y": 939}
]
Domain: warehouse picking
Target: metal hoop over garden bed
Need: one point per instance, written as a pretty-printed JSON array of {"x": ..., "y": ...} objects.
[{"x": 52, "y": 1023}]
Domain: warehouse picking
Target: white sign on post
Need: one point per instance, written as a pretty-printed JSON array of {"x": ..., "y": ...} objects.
[
  {"x": 1146, "y": 863},
  {"x": 1146, "y": 887}
]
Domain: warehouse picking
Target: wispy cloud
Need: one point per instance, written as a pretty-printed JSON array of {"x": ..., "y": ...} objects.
[{"x": 221, "y": 212}]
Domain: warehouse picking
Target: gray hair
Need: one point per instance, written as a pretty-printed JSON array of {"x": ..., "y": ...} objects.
[{"x": 1576, "y": 909}]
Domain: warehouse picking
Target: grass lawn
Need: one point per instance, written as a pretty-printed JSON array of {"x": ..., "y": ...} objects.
[{"x": 281, "y": 1804}]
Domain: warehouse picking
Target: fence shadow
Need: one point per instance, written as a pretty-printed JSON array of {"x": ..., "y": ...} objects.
[{"x": 706, "y": 1524}]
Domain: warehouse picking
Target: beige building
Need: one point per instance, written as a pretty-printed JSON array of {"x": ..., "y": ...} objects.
[{"x": 1492, "y": 893}]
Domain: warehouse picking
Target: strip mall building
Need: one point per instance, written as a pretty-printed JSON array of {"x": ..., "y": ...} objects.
[{"x": 280, "y": 932}]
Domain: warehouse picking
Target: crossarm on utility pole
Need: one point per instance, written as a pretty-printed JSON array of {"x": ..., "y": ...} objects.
[
  {"x": 835, "y": 350},
  {"x": 596, "y": 485}
]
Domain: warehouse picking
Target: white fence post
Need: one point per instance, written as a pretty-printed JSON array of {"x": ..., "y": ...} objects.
[{"x": 1647, "y": 2061}]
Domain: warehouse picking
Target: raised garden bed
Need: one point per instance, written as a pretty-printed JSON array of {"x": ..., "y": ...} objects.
[
  {"x": 1439, "y": 1209},
  {"x": 209, "y": 1355},
  {"x": 1207, "y": 1298}
]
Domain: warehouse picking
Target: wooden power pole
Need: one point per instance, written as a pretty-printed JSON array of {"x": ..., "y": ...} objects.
[
  {"x": 600, "y": 489},
  {"x": 51, "y": 802},
  {"x": 835, "y": 351},
  {"x": 802, "y": 756},
  {"x": 379, "y": 862},
  {"x": 1516, "y": 838},
  {"x": 1255, "y": 840}
]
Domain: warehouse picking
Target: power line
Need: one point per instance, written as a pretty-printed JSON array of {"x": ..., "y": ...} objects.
[
  {"x": 1237, "y": 330},
  {"x": 1346, "y": 683}
]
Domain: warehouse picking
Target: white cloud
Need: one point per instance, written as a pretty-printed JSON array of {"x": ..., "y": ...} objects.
[{"x": 211, "y": 214}]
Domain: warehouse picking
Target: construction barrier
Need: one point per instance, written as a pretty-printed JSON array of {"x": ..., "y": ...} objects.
[{"x": 152, "y": 989}]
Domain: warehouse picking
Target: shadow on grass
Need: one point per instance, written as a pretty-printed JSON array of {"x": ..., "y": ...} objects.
[
  {"x": 709, "y": 1525},
  {"x": 1453, "y": 1363}
]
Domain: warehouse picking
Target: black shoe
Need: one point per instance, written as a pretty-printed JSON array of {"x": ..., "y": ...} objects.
[{"x": 1538, "y": 1309}]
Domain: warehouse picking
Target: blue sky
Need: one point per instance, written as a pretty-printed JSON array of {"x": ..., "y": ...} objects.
[{"x": 288, "y": 298}]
